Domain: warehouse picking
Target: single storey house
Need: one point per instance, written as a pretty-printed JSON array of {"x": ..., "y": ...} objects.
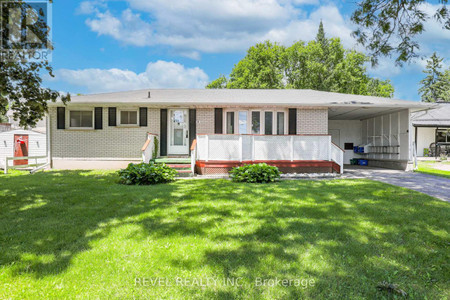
[
  {"x": 432, "y": 130},
  {"x": 296, "y": 130}
]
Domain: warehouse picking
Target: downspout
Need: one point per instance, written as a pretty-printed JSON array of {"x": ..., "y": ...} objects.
[
  {"x": 48, "y": 136},
  {"x": 415, "y": 137}
]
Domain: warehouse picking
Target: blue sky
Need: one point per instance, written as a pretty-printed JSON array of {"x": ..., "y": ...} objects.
[{"x": 103, "y": 46}]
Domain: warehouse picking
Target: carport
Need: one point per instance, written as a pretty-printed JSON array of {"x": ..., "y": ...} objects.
[{"x": 381, "y": 129}]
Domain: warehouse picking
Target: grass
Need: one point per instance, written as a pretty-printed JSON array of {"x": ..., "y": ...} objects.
[
  {"x": 78, "y": 234},
  {"x": 429, "y": 167}
]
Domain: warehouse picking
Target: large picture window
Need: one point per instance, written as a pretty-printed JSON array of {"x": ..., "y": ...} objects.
[
  {"x": 252, "y": 121},
  {"x": 81, "y": 118},
  {"x": 128, "y": 117}
]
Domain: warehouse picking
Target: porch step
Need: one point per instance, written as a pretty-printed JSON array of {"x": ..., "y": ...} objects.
[
  {"x": 173, "y": 160},
  {"x": 181, "y": 165}
]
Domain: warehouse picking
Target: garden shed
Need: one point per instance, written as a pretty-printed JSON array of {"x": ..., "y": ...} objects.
[{"x": 22, "y": 143}]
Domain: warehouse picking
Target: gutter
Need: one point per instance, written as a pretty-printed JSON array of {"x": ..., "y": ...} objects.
[{"x": 420, "y": 106}]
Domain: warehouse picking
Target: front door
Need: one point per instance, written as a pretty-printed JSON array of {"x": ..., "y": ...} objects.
[
  {"x": 20, "y": 149},
  {"x": 178, "y": 133}
]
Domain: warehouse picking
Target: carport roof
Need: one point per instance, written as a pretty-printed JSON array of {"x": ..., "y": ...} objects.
[{"x": 345, "y": 104}]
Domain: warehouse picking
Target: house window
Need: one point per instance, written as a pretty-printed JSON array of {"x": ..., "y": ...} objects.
[
  {"x": 256, "y": 122},
  {"x": 81, "y": 118},
  {"x": 128, "y": 117},
  {"x": 230, "y": 122},
  {"x": 268, "y": 122},
  {"x": 442, "y": 135},
  {"x": 280, "y": 122},
  {"x": 243, "y": 122}
]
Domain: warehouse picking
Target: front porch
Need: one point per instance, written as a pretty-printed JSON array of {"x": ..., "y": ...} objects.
[{"x": 219, "y": 153}]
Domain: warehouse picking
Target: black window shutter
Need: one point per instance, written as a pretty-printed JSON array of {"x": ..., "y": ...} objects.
[
  {"x": 192, "y": 125},
  {"x": 143, "y": 116},
  {"x": 112, "y": 116},
  {"x": 292, "y": 121},
  {"x": 60, "y": 117},
  {"x": 218, "y": 120},
  {"x": 98, "y": 118},
  {"x": 163, "y": 133}
]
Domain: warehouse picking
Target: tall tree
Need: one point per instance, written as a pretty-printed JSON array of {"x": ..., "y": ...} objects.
[
  {"x": 21, "y": 82},
  {"x": 321, "y": 38},
  {"x": 322, "y": 64},
  {"x": 445, "y": 95},
  {"x": 219, "y": 83},
  {"x": 261, "y": 68},
  {"x": 434, "y": 85},
  {"x": 386, "y": 26}
]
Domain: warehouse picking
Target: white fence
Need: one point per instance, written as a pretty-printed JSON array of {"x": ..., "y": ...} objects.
[
  {"x": 149, "y": 148},
  {"x": 38, "y": 162},
  {"x": 222, "y": 147}
]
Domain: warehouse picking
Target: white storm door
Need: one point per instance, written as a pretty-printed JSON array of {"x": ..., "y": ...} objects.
[{"x": 178, "y": 133}]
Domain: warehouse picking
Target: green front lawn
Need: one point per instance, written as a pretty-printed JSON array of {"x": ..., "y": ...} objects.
[
  {"x": 432, "y": 168},
  {"x": 78, "y": 234}
]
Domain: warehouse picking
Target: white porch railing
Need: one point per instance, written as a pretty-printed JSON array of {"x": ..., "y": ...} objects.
[
  {"x": 150, "y": 148},
  {"x": 337, "y": 155},
  {"x": 223, "y": 147}
]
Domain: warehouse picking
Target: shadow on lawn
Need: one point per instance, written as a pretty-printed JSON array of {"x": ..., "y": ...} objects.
[
  {"x": 362, "y": 232},
  {"x": 57, "y": 214}
]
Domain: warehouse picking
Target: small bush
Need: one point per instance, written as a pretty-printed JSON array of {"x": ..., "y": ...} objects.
[
  {"x": 145, "y": 174},
  {"x": 257, "y": 173}
]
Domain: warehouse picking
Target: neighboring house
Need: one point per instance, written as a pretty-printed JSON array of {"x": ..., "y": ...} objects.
[
  {"x": 5, "y": 127},
  {"x": 19, "y": 143},
  {"x": 40, "y": 125},
  {"x": 297, "y": 130},
  {"x": 431, "y": 127}
]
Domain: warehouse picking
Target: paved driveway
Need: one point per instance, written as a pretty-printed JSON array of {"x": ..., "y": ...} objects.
[{"x": 435, "y": 186}]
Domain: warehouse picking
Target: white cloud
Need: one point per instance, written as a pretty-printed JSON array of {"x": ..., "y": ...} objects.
[
  {"x": 159, "y": 74},
  {"x": 129, "y": 28},
  {"x": 306, "y": 29},
  {"x": 214, "y": 26},
  {"x": 90, "y": 7}
]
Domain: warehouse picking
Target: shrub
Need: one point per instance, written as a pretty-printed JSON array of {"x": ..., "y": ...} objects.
[
  {"x": 144, "y": 174},
  {"x": 257, "y": 173}
]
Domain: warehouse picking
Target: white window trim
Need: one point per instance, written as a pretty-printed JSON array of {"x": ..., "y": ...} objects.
[
  {"x": 81, "y": 128},
  {"x": 120, "y": 110},
  {"x": 249, "y": 120}
]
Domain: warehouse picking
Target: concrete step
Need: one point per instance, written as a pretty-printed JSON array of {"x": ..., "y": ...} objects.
[
  {"x": 184, "y": 173},
  {"x": 179, "y": 166},
  {"x": 173, "y": 160}
]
